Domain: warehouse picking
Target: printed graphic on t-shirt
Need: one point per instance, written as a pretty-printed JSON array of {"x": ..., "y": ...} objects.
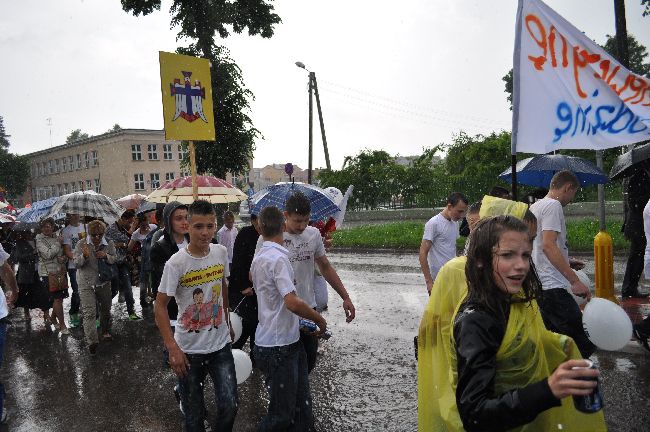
[
  {"x": 300, "y": 251},
  {"x": 206, "y": 310}
]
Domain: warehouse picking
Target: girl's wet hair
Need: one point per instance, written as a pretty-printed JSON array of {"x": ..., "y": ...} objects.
[{"x": 479, "y": 271}]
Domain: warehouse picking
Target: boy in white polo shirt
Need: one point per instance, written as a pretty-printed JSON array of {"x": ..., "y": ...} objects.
[{"x": 278, "y": 352}]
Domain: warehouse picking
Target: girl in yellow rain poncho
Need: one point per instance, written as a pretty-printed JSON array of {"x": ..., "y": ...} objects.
[{"x": 524, "y": 356}]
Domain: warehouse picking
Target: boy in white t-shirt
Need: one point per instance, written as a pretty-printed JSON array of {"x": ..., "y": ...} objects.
[
  {"x": 196, "y": 277},
  {"x": 278, "y": 352},
  {"x": 72, "y": 233}
]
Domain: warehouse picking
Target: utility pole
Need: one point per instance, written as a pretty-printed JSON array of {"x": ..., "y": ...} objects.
[
  {"x": 322, "y": 125},
  {"x": 312, "y": 76},
  {"x": 49, "y": 124}
]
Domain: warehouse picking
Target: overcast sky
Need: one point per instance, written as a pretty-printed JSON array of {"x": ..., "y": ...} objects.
[{"x": 396, "y": 76}]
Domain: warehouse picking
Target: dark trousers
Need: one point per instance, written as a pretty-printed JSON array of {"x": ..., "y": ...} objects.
[
  {"x": 3, "y": 336},
  {"x": 75, "y": 301},
  {"x": 287, "y": 381},
  {"x": 248, "y": 332},
  {"x": 310, "y": 343},
  {"x": 220, "y": 365},
  {"x": 634, "y": 266},
  {"x": 122, "y": 283},
  {"x": 561, "y": 314}
]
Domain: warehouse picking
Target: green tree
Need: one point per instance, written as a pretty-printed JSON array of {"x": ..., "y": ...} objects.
[
  {"x": 14, "y": 169},
  {"x": 202, "y": 21},
  {"x": 638, "y": 64},
  {"x": 646, "y": 3},
  {"x": 116, "y": 128},
  {"x": 4, "y": 138},
  {"x": 76, "y": 135}
]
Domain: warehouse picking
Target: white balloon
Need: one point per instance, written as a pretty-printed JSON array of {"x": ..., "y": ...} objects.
[
  {"x": 243, "y": 365},
  {"x": 235, "y": 322},
  {"x": 607, "y": 325},
  {"x": 585, "y": 280}
]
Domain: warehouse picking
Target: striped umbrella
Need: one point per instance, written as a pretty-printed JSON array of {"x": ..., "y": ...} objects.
[
  {"x": 5, "y": 218},
  {"x": 211, "y": 189},
  {"x": 88, "y": 203}
]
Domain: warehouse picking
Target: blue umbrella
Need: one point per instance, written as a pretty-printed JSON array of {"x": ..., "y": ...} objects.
[
  {"x": 276, "y": 195},
  {"x": 539, "y": 170},
  {"x": 38, "y": 211}
]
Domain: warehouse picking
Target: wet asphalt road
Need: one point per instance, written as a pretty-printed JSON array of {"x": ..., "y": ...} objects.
[{"x": 366, "y": 378}]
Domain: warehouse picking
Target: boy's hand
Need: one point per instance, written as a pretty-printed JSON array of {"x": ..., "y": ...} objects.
[
  {"x": 348, "y": 307},
  {"x": 178, "y": 361},
  {"x": 322, "y": 326},
  {"x": 248, "y": 291}
]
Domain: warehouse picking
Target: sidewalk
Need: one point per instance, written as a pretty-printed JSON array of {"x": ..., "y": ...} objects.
[{"x": 637, "y": 310}]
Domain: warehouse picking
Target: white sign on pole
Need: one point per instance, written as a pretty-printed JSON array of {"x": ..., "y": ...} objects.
[{"x": 568, "y": 92}]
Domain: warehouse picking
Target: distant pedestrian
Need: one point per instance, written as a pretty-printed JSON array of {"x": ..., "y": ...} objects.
[
  {"x": 278, "y": 351},
  {"x": 33, "y": 295},
  {"x": 72, "y": 233},
  {"x": 92, "y": 290},
  {"x": 227, "y": 234},
  {"x": 135, "y": 247},
  {"x": 52, "y": 262},
  {"x": 200, "y": 345},
  {"x": 551, "y": 257},
  {"x": 439, "y": 239},
  {"x": 6, "y": 301},
  {"x": 638, "y": 195},
  {"x": 119, "y": 233}
]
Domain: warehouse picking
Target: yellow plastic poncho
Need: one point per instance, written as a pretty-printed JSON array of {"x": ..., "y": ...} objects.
[
  {"x": 493, "y": 206},
  {"x": 535, "y": 351}
]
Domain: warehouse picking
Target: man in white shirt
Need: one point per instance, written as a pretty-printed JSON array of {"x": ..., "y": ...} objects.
[
  {"x": 196, "y": 276},
  {"x": 227, "y": 234},
  {"x": 559, "y": 310},
  {"x": 439, "y": 239},
  {"x": 306, "y": 251},
  {"x": 278, "y": 352},
  {"x": 72, "y": 233},
  {"x": 8, "y": 277}
]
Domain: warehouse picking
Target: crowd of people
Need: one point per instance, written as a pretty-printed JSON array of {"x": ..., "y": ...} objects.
[{"x": 193, "y": 276}]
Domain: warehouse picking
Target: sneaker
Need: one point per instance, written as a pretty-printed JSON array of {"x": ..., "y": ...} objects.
[
  {"x": 120, "y": 298},
  {"x": 93, "y": 348},
  {"x": 74, "y": 320},
  {"x": 5, "y": 416},
  {"x": 134, "y": 317},
  {"x": 107, "y": 337},
  {"x": 65, "y": 331}
]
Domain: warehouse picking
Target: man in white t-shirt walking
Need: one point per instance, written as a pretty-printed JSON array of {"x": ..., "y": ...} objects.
[
  {"x": 439, "y": 239},
  {"x": 559, "y": 310},
  {"x": 196, "y": 277},
  {"x": 306, "y": 251},
  {"x": 72, "y": 233},
  {"x": 278, "y": 352},
  {"x": 8, "y": 277}
]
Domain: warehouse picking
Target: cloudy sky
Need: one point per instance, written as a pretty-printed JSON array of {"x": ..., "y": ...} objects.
[{"x": 397, "y": 76}]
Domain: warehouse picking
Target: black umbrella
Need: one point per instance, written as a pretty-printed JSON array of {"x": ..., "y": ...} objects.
[{"x": 627, "y": 163}]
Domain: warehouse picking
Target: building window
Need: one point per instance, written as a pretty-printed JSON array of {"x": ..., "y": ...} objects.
[
  {"x": 155, "y": 180},
  {"x": 98, "y": 186},
  {"x": 182, "y": 152},
  {"x": 57, "y": 166},
  {"x": 78, "y": 161},
  {"x": 71, "y": 162},
  {"x": 73, "y": 187},
  {"x": 136, "y": 152},
  {"x": 40, "y": 171},
  {"x": 81, "y": 185},
  {"x": 64, "y": 164},
  {"x": 185, "y": 174},
  {"x": 86, "y": 160},
  {"x": 152, "y": 152},
  {"x": 89, "y": 185},
  {"x": 169, "y": 176},
  {"x": 139, "y": 181},
  {"x": 94, "y": 158},
  {"x": 65, "y": 188},
  {"x": 50, "y": 167},
  {"x": 167, "y": 152}
]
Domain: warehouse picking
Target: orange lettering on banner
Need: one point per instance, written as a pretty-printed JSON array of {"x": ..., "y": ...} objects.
[
  {"x": 541, "y": 41},
  {"x": 636, "y": 88}
]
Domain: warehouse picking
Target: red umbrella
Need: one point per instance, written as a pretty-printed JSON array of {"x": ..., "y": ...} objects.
[{"x": 212, "y": 189}]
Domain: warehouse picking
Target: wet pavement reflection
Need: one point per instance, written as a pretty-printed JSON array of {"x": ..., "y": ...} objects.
[{"x": 365, "y": 380}]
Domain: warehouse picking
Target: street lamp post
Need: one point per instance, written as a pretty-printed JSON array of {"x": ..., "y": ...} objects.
[{"x": 313, "y": 89}]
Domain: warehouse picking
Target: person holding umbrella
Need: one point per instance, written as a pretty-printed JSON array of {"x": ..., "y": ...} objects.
[
  {"x": 87, "y": 254},
  {"x": 51, "y": 261},
  {"x": 118, "y": 232}
]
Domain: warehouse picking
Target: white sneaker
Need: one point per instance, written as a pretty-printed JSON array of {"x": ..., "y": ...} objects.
[{"x": 5, "y": 416}]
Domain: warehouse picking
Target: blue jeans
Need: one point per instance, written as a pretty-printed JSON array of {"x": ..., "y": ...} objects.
[
  {"x": 221, "y": 367},
  {"x": 287, "y": 381},
  {"x": 122, "y": 283},
  {"x": 3, "y": 335},
  {"x": 74, "y": 300}
]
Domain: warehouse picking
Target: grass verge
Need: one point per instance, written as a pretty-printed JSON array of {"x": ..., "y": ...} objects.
[{"x": 408, "y": 235}]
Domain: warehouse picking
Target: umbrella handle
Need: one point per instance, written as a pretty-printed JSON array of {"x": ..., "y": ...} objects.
[{"x": 237, "y": 307}]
